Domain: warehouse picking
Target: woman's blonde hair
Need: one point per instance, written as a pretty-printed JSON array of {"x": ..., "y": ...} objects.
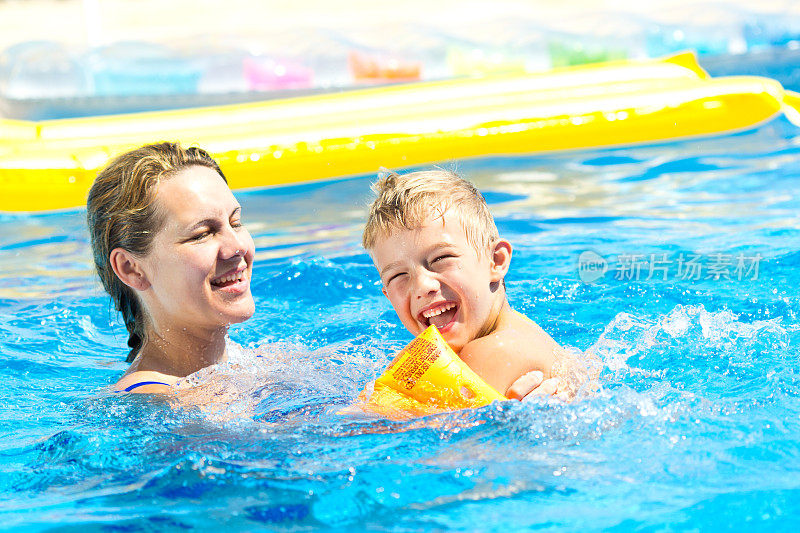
[
  {"x": 121, "y": 213},
  {"x": 406, "y": 201}
]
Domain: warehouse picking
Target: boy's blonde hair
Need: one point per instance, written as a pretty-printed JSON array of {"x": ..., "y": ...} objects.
[{"x": 405, "y": 201}]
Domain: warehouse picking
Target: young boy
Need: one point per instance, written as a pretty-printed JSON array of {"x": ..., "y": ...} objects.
[{"x": 442, "y": 262}]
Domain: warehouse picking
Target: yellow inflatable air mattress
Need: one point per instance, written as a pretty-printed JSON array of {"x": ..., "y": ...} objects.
[{"x": 51, "y": 164}]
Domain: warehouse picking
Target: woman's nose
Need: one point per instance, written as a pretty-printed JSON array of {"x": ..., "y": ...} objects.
[{"x": 234, "y": 244}]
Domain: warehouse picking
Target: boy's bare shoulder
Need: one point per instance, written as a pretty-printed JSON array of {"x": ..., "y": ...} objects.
[
  {"x": 515, "y": 329},
  {"x": 517, "y": 346}
]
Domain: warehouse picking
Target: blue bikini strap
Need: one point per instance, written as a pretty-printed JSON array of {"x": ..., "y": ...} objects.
[{"x": 141, "y": 383}]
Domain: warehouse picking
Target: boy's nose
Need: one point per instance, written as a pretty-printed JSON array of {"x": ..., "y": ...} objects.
[{"x": 426, "y": 284}]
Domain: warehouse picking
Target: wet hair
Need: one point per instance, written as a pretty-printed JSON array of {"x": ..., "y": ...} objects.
[
  {"x": 121, "y": 213},
  {"x": 406, "y": 201}
]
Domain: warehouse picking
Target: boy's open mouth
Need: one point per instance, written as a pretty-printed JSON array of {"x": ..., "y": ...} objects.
[{"x": 439, "y": 315}]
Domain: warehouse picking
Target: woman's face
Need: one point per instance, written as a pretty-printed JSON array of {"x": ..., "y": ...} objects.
[{"x": 200, "y": 263}]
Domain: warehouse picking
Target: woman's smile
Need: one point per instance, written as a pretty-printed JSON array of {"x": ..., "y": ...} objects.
[{"x": 233, "y": 281}]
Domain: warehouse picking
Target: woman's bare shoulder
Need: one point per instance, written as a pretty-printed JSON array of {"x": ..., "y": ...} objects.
[{"x": 145, "y": 381}]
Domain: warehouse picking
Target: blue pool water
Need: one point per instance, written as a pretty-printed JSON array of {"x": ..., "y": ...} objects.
[{"x": 696, "y": 424}]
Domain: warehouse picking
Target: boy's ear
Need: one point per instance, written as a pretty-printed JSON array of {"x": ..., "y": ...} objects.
[
  {"x": 500, "y": 260},
  {"x": 128, "y": 269}
]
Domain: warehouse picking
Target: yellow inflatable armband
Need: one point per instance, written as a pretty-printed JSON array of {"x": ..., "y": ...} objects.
[{"x": 425, "y": 377}]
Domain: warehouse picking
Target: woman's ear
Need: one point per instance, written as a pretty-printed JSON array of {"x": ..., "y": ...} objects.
[
  {"x": 501, "y": 259},
  {"x": 128, "y": 269}
]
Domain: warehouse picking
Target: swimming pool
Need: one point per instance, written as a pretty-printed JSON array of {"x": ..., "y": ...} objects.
[{"x": 697, "y": 425}]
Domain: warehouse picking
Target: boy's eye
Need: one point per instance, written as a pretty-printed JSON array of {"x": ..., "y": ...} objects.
[
  {"x": 442, "y": 257},
  {"x": 394, "y": 277}
]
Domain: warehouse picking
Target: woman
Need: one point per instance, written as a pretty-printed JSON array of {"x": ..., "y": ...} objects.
[{"x": 171, "y": 250}]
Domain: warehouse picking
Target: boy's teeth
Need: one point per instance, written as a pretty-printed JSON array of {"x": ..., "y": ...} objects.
[{"x": 436, "y": 311}]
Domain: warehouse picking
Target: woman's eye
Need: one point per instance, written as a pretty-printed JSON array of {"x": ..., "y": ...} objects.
[
  {"x": 200, "y": 236},
  {"x": 236, "y": 224}
]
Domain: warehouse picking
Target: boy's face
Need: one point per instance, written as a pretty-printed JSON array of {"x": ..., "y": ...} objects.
[{"x": 434, "y": 275}]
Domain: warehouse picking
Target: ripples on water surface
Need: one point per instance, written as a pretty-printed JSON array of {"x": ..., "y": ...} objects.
[{"x": 697, "y": 424}]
